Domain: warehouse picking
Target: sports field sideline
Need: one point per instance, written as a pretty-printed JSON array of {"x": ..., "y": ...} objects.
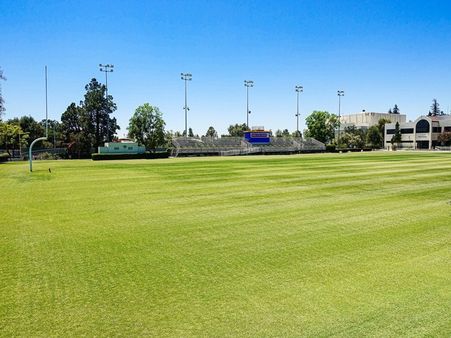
[{"x": 309, "y": 245}]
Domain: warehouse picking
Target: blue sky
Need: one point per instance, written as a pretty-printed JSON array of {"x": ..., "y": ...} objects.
[{"x": 380, "y": 53}]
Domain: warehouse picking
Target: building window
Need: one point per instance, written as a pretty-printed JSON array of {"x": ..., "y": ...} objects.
[
  {"x": 436, "y": 129},
  {"x": 116, "y": 148},
  {"x": 423, "y": 126},
  {"x": 390, "y": 131},
  {"x": 447, "y": 129},
  {"x": 407, "y": 131},
  {"x": 130, "y": 148}
]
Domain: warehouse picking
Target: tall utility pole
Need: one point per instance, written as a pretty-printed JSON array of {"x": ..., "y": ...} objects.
[
  {"x": 247, "y": 84},
  {"x": 340, "y": 93},
  {"x": 299, "y": 89},
  {"x": 106, "y": 69},
  {"x": 186, "y": 77},
  {"x": 30, "y": 150}
]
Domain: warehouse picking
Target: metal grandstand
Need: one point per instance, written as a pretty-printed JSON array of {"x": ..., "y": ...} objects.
[{"x": 234, "y": 146}]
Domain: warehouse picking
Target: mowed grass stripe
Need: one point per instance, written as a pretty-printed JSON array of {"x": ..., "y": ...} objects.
[{"x": 315, "y": 245}]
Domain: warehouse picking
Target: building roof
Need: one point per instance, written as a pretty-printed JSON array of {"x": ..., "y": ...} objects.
[
  {"x": 372, "y": 113},
  {"x": 440, "y": 117}
]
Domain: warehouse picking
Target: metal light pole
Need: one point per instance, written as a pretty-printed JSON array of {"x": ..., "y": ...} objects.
[
  {"x": 247, "y": 84},
  {"x": 299, "y": 89},
  {"x": 30, "y": 150},
  {"x": 186, "y": 77},
  {"x": 106, "y": 69},
  {"x": 340, "y": 93}
]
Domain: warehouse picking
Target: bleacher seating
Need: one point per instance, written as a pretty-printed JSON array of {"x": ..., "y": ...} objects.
[
  {"x": 228, "y": 146},
  {"x": 310, "y": 144},
  {"x": 223, "y": 141}
]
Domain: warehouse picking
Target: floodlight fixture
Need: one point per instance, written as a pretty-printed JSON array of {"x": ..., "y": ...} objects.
[
  {"x": 340, "y": 93},
  {"x": 186, "y": 77},
  {"x": 298, "y": 89},
  {"x": 106, "y": 69},
  {"x": 248, "y": 84}
]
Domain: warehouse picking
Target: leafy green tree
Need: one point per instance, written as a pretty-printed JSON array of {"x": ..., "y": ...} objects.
[
  {"x": 146, "y": 126},
  {"x": 72, "y": 121},
  {"x": 352, "y": 137},
  {"x": 79, "y": 146},
  {"x": 98, "y": 109},
  {"x": 296, "y": 134},
  {"x": 390, "y": 111},
  {"x": 2, "y": 102},
  {"x": 87, "y": 126},
  {"x": 374, "y": 137},
  {"x": 397, "y": 137},
  {"x": 279, "y": 133},
  {"x": 74, "y": 130},
  {"x": 30, "y": 126},
  {"x": 12, "y": 136},
  {"x": 190, "y": 132},
  {"x": 321, "y": 125},
  {"x": 395, "y": 110},
  {"x": 211, "y": 132},
  {"x": 237, "y": 129}
]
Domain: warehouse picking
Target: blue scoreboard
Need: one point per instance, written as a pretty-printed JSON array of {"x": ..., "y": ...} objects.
[{"x": 257, "y": 137}]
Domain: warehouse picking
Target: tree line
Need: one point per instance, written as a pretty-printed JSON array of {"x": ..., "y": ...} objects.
[{"x": 89, "y": 124}]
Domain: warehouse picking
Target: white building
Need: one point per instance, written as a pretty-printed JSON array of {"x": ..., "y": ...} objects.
[
  {"x": 365, "y": 120},
  {"x": 124, "y": 146},
  {"x": 420, "y": 134}
]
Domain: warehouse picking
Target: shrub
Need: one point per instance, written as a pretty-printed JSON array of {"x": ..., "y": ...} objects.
[
  {"x": 147, "y": 155},
  {"x": 354, "y": 150},
  {"x": 46, "y": 156},
  {"x": 4, "y": 157},
  {"x": 158, "y": 154},
  {"x": 330, "y": 148}
]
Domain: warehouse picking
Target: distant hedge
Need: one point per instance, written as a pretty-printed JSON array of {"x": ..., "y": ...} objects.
[
  {"x": 353, "y": 150},
  {"x": 331, "y": 148},
  {"x": 147, "y": 155},
  {"x": 4, "y": 157}
]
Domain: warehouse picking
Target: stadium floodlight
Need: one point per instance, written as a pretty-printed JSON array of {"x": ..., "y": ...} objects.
[
  {"x": 107, "y": 69},
  {"x": 340, "y": 93},
  {"x": 186, "y": 77},
  {"x": 30, "y": 150},
  {"x": 299, "y": 89},
  {"x": 248, "y": 84}
]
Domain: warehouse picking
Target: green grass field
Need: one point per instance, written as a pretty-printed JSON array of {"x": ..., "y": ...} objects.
[{"x": 318, "y": 245}]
